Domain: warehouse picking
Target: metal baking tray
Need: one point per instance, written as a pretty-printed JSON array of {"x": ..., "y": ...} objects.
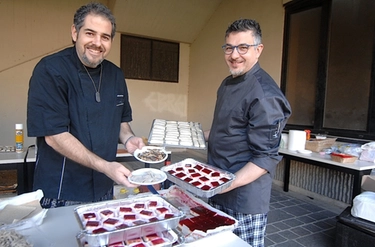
[
  {"x": 117, "y": 235},
  {"x": 185, "y": 164},
  {"x": 172, "y": 238},
  {"x": 177, "y": 134}
]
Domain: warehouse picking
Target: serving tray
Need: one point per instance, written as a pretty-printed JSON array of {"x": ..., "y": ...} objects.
[
  {"x": 200, "y": 179},
  {"x": 142, "y": 225},
  {"x": 178, "y": 134}
]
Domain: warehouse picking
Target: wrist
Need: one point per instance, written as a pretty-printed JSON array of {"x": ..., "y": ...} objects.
[{"x": 127, "y": 140}]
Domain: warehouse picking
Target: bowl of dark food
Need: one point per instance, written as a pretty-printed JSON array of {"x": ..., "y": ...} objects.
[{"x": 151, "y": 155}]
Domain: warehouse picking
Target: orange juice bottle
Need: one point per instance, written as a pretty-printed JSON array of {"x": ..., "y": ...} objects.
[{"x": 19, "y": 138}]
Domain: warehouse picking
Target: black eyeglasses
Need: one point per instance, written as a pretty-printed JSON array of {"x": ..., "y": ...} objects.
[{"x": 241, "y": 48}]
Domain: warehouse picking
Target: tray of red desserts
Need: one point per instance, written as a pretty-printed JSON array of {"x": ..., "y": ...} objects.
[
  {"x": 160, "y": 239},
  {"x": 201, "y": 219},
  {"x": 201, "y": 179},
  {"x": 110, "y": 222}
]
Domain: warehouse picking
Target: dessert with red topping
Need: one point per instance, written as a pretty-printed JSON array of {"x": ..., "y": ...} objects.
[
  {"x": 196, "y": 183},
  {"x": 204, "y": 179},
  {"x": 180, "y": 175},
  {"x": 152, "y": 204},
  {"x": 106, "y": 213},
  {"x": 162, "y": 210},
  {"x": 92, "y": 224},
  {"x": 139, "y": 206},
  {"x": 133, "y": 241},
  {"x": 110, "y": 222},
  {"x": 146, "y": 213},
  {"x": 125, "y": 210},
  {"x": 150, "y": 237},
  {"x": 206, "y": 170},
  {"x": 157, "y": 241},
  {"x": 89, "y": 216},
  {"x": 99, "y": 230},
  {"x": 129, "y": 217},
  {"x": 194, "y": 175}
]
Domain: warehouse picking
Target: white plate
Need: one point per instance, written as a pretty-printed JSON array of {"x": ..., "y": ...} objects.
[
  {"x": 147, "y": 176},
  {"x": 149, "y": 149},
  {"x": 304, "y": 151}
]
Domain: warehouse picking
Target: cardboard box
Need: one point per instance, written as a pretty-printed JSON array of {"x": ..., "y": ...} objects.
[
  {"x": 343, "y": 158},
  {"x": 316, "y": 145},
  {"x": 368, "y": 183}
]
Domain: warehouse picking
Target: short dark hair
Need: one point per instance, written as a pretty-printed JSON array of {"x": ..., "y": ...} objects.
[
  {"x": 95, "y": 9},
  {"x": 243, "y": 25}
]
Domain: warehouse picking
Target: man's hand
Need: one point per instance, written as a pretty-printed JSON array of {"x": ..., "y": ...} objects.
[
  {"x": 134, "y": 143},
  {"x": 119, "y": 174}
]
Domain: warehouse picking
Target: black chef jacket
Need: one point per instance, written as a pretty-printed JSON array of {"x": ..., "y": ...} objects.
[{"x": 62, "y": 98}]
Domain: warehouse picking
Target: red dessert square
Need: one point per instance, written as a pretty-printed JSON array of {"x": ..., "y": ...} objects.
[
  {"x": 151, "y": 237},
  {"x": 162, "y": 210},
  {"x": 111, "y": 221},
  {"x": 88, "y": 216},
  {"x": 139, "y": 205},
  {"x": 194, "y": 175},
  {"x": 129, "y": 217},
  {"x": 99, "y": 230},
  {"x": 196, "y": 183},
  {"x": 198, "y": 167},
  {"x": 157, "y": 241},
  {"x": 179, "y": 169},
  {"x": 146, "y": 212},
  {"x": 215, "y": 174},
  {"x": 180, "y": 175},
  {"x": 206, "y": 187},
  {"x": 171, "y": 172},
  {"x": 203, "y": 179},
  {"x": 139, "y": 222},
  {"x": 118, "y": 244},
  {"x": 224, "y": 179},
  {"x": 153, "y": 204},
  {"x": 206, "y": 170},
  {"x": 122, "y": 226},
  {"x": 215, "y": 184},
  {"x": 168, "y": 216},
  {"x": 153, "y": 219},
  {"x": 188, "y": 180},
  {"x": 191, "y": 170},
  {"x": 126, "y": 209},
  {"x": 139, "y": 245},
  {"x": 134, "y": 240},
  {"x": 92, "y": 223},
  {"x": 106, "y": 213}
]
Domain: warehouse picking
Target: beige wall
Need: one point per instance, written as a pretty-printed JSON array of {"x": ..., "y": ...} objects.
[
  {"x": 207, "y": 65},
  {"x": 35, "y": 28}
]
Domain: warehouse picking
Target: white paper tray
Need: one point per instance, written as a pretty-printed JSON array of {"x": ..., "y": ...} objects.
[
  {"x": 189, "y": 186},
  {"x": 178, "y": 134}
]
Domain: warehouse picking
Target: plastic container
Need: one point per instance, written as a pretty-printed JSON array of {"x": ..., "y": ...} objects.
[{"x": 19, "y": 138}]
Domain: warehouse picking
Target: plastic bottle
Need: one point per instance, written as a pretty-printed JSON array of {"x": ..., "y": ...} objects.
[{"x": 19, "y": 138}]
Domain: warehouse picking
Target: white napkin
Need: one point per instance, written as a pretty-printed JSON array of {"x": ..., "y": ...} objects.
[{"x": 22, "y": 212}]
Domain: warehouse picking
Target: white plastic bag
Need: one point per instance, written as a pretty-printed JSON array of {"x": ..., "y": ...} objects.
[
  {"x": 368, "y": 152},
  {"x": 363, "y": 206}
]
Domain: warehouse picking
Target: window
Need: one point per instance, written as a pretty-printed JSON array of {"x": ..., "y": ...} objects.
[
  {"x": 148, "y": 59},
  {"x": 328, "y": 66}
]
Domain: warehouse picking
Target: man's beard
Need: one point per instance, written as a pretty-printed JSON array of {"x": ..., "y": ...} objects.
[
  {"x": 89, "y": 63},
  {"x": 236, "y": 73}
]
